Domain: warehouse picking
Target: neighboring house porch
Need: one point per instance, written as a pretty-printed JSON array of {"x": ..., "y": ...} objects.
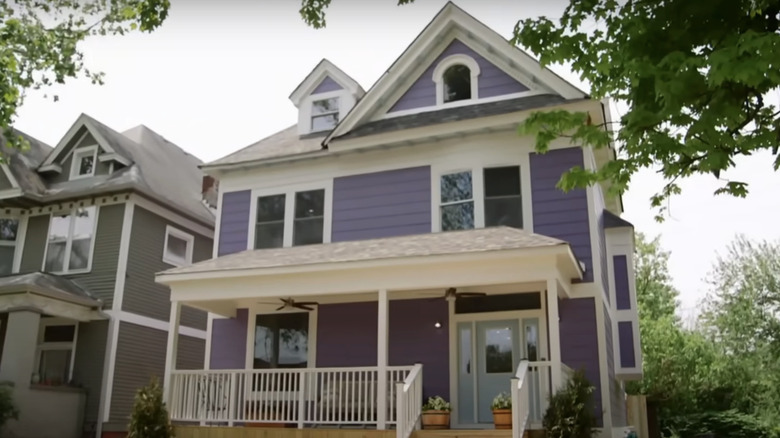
[
  {"x": 457, "y": 314},
  {"x": 39, "y": 334}
]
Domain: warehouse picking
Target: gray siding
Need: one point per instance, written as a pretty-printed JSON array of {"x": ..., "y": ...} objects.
[
  {"x": 622, "y": 289},
  {"x": 190, "y": 353},
  {"x": 142, "y": 295},
  {"x": 326, "y": 85},
  {"x": 626, "y": 342},
  {"x": 234, "y": 224},
  {"x": 382, "y": 204},
  {"x": 492, "y": 81},
  {"x": 34, "y": 244},
  {"x": 88, "y": 365},
  {"x": 579, "y": 342},
  {"x": 140, "y": 355},
  {"x": 558, "y": 214},
  {"x": 101, "y": 279}
]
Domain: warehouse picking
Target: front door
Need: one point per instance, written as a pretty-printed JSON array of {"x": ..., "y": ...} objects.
[{"x": 488, "y": 355}]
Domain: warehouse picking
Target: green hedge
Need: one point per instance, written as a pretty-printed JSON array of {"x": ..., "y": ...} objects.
[{"x": 726, "y": 424}]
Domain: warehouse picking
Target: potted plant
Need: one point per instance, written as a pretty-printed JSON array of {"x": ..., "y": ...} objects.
[
  {"x": 502, "y": 411},
  {"x": 436, "y": 413}
]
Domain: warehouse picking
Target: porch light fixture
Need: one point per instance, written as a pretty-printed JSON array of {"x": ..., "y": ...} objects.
[{"x": 437, "y": 324}]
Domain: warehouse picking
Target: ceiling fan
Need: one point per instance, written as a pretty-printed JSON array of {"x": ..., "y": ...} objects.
[
  {"x": 453, "y": 294},
  {"x": 289, "y": 303}
]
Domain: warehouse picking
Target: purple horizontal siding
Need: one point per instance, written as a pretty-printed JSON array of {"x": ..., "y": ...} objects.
[
  {"x": 326, "y": 85},
  {"x": 626, "y": 342},
  {"x": 234, "y": 223},
  {"x": 602, "y": 251},
  {"x": 228, "y": 342},
  {"x": 558, "y": 214},
  {"x": 579, "y": 342},
  {"x": 492, "y": 81},
  {"x": 347, "y": 337},
  {"x": 382, "y": 204},
  {"x": 622, "y": 290}
]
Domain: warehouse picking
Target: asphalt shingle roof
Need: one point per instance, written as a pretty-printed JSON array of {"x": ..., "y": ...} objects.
[
  {"x": 432, "y": 244},
  {"x": 51, "y": 285}
]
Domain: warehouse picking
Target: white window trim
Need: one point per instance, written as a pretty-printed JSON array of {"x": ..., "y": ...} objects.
[
  {"x": 336, "y": 111},
  {"x": 69, "y": 243},
  {"x": 21, "y": 229},
  {"x": 189, "y": 238},
  {"x": 478, "y": 192},
  {"x": 346, "y": 102},
  {"x": 75, "y": 163},
  {"x": 311, "y": 360},
  {"x": 48, "y": 346},
  {"x": 444, "y": 64},
  {"x": 289, "y": 210}
]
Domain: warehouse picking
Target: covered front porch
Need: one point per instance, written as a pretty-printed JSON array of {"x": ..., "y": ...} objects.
[{"x": 362, "y": 343}]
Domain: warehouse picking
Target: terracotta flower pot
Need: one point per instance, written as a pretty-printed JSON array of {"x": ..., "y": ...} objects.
[
  {"x": 502, "y": 418},
  {"x": 436, "y": 419}
]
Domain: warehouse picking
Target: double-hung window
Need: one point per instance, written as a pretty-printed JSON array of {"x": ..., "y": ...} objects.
[
  {"x": 281, "y": 340},
  {"x": 324, "y": 114},
  {"x": 70, "y": 238},
  {"x": 84, "y": 162},
  {"x": 481, "y": 198},
  {"x": 56, "y": 344},
  {"x": 290, "y": 219},
  {"x": 178, "y": 247},
  {"x": 8, "y": 230}
]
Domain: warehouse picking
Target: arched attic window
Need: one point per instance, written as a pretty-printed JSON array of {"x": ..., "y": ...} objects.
[{"x": 456, "y": 79}]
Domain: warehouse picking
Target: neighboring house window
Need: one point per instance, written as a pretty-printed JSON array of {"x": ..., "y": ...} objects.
[
  {"x": 457, "y": 201},
  {"x": 178, "y": 247},
  {"x": 55, "y": 353},
  {"x": 84, "y": 161},
  {"x": 477, "y": 198},
  {"x": 324, "y": 114},
  {"x": 503, "y": 200},
  {"x": 281, "y": 340},
  {"x": 302, "y": 223},
  {"x": 457, "y": 83},
  {"x": 69, "y": 246},
  {"x": 8, "y": 230}
]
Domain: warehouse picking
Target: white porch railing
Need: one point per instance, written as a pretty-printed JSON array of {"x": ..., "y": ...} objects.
[
  {"x": 299, "y": 396},
  {"x": 520, "y": 400},
  {"x": 409, "y": 402}
]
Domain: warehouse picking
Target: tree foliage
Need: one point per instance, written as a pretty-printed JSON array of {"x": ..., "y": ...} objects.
[
  {"x": 149, "y": 418},
  {"x": 695, "y": 76},
  {"x": 656, "y": 296},
  {"x": 39, "y": 43},
  {"x": 8, "y": 409},
  {"x": 570, "y": 413}
]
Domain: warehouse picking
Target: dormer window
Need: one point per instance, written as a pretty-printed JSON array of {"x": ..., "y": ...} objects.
[
  {"x": 84, "y": 161},
  {"x": 457, "y": 83},
  {"x": 324, "y": 114},
  {"x": 456, "y": 79}
]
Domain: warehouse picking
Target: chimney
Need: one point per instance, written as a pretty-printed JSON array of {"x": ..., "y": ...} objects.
[{"x": 210, "y": 191}]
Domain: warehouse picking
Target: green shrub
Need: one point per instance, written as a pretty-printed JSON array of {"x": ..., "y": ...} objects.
[
  {"x": 150, "y": 416},
  {"x": 570, "y": 413},
  {"x": 8, "y": 410},
  {"x": 725, "y": 424}
]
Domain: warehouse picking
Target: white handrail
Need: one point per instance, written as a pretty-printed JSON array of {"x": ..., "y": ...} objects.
[
  {"x": 520, "y": 401},
  {"x": 299, "y": 396},
  {"x": 409, "y": 402}
]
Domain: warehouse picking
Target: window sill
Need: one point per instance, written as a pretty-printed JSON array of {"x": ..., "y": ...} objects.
[
  {"x": 55, "y": 388},
  {"x": 77, "y": 177},
  {"x": 73, "y": 272}
]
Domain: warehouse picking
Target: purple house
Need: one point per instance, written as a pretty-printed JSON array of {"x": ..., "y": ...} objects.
[{"x": 405, "y": 242}]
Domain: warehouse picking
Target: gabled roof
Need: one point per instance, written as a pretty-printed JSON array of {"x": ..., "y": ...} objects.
[
  {"x": 156, "y": 168},
  {"x": 50, "y": 285},
  {"x": 422, "y": 245},
  {"x": 325, "y": 69},
  {"x": 22, "y": 163},
  {"x": 450, "y": 18}
]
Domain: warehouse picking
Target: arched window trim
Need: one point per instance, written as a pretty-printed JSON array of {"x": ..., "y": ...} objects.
[{"x": 438, "y": 76}]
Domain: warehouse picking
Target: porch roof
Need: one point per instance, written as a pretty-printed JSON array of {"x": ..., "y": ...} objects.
[
  {"x": 475, "y": 241},
  {"x": 49, "y": 294}
]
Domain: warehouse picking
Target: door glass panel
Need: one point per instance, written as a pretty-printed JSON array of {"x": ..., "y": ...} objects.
[
  {"x": 531, "y": 339},
  {"x": 498, "y": 350},
  {"x": 466, "y": 372}
]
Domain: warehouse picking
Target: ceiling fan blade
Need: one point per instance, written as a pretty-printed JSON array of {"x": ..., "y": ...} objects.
[
  {"x": 281, "y": 307},
  {"x": 301, "y": 306},
  {"x": 471, "y": 294}
]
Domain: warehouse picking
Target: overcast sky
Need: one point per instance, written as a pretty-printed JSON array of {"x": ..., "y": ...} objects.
[{"x": 217, "y": 76}]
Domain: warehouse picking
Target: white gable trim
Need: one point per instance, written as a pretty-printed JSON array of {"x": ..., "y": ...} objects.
[
  {"x": 82, "y": 121},
  {"x": 325, "y": 69},
  {"x": 10, "y": 176},
  {"x": 113, "y": 157},
  {"x": 449, "y": 16}
]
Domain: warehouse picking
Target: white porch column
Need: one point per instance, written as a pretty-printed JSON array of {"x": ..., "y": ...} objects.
[
  {"x": 381, "y": 359},
  {"x": 170, "y": 355},
  {"x": 553, "y": 331},
  {"x": 21, "y": 341}
]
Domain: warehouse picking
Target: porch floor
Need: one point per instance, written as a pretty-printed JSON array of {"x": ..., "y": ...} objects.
[{"x": 271, "y": 432}]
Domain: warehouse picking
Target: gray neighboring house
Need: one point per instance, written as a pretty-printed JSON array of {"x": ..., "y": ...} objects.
[{"x": 84, "y": 227}]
